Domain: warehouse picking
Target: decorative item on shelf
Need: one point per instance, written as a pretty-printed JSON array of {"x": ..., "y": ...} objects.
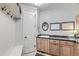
[{"x": 76, "y": 33}]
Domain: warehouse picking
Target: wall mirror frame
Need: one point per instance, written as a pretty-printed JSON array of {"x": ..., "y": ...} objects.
[
  {"x": 62, "y": 26},
  {"x": 55, "y": 26},
  {"x": 68, "y": 26},
  {"x": 45, "y": 26}
]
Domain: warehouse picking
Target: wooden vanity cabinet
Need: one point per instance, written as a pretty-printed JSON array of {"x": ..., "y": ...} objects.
[
  {"x": 76, "y": 49},
  {"x": 54, "y": 47},
  {"x": 66, "y": 48},
  {"x": 57, "y": 47},
  {"x": 43, "y": 45}
]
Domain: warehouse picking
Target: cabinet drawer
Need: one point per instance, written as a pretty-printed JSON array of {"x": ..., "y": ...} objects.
[
  {"x": 69, "y": 43},
  {"x": 66, "y": 43},
  {"x": 54, "y": 41},
  {"x": 62, "y": 42}
]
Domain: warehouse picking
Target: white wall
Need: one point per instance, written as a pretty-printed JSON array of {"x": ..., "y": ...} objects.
[
  {"x": 61, "y": 13},
  {"x": 7, "y": 33}
]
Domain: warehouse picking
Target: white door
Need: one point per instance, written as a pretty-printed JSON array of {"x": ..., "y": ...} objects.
[{"x": 29, "y": 31}]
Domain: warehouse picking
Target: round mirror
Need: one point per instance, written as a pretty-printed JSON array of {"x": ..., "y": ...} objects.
[{"x": 45, "y": 26}]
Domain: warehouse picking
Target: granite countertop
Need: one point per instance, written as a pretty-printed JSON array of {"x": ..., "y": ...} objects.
[{"x": 72, "y": 38}]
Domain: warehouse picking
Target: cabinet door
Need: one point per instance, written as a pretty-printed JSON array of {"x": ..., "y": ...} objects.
[
  {"x": 46, "y": 45},
  {"x": 38, "y": 41},
  {"x": 42, "y": 45},
  {"x": 66, "y": 50},
  {"x": 54, "y": 49},
  {"x": 77, "y": 49}
]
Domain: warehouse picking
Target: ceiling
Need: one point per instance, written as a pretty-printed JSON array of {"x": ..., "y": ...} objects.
[
  {"x": 46, "y": 6},
  {"x": 43, "y": 5}
]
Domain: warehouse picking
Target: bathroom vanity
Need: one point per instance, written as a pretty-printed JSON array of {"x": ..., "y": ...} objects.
[{"x": 58, "y": 45}]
